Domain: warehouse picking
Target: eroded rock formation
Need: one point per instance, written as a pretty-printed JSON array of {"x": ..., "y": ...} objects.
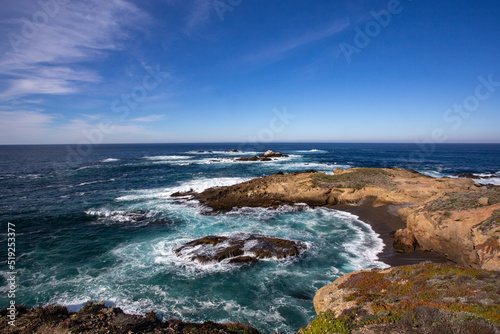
[{"x": 239, "y": 248}]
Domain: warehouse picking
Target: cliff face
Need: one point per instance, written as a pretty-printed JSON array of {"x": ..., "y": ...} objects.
[
  {"x": 425, "y": 298},
  {"x": 456, "y": 217}
]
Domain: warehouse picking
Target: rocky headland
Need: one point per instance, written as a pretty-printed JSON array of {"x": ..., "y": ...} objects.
[{"x": 455, "y": 217}]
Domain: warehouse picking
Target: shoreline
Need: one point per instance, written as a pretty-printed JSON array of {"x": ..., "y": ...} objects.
[{"x": 383, "y": 222}]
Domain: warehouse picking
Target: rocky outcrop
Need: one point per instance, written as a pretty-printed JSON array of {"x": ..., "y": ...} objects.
[
  {"x": 456, "y": 224},
  {"x": 424, "y": 298},
  {"x": 270, "y": 191},
  {"x": 96, "y": 318},
  {"x": 475, "y": 176},
  {"x": 239, "y": 248},
  {"x": 264, "y": 157},
  {"x": 450, "y": 216}
]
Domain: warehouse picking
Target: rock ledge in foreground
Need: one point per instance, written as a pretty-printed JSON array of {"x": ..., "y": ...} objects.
[
  {"x": 95, "y": 318},
  {"x": 423, "y": 298}
]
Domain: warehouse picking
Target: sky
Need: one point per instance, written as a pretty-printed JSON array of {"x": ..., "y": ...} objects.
[{"x": 173, "y": 71}]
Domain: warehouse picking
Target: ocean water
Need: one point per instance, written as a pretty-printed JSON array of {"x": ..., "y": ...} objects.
[{"x": 98, "y": 224}]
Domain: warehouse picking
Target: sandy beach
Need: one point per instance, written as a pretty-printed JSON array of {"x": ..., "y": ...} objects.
[{"x": 383, "y": 221}]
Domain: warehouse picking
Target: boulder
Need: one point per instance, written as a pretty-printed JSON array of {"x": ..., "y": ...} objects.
[
  {"x": 271, "y": 154},
  {"x": 483, "y": 201},
  {"x": 239, "y": 248},
  {"x": 404, "y": 241}
]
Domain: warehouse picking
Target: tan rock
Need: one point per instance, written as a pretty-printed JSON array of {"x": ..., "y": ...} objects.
[
  {"x": 483, "y": 201},
  {"x": 404, "y": 241},
  {"x": 331, "y": 297}
]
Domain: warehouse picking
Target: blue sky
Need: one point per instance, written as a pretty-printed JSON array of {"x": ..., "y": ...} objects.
[{"x": 164, "y": 71}]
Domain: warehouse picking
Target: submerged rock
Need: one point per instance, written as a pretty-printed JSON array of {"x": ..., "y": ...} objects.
[{"x": 239, "y": 248}]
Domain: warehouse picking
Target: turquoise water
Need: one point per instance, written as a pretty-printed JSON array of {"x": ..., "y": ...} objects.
[{"x": 103, "y": 227}]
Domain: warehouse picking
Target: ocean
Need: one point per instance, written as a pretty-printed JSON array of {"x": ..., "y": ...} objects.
[{"x": 97, "y": 223}]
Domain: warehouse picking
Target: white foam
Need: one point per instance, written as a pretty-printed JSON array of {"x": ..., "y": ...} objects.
[
  {"x": 122, "y": 216},
  {"x": 433, "y": 173},
  {"x": 210, "y": 161},
  {"x": 312, "y": 151},
  {"x": 328, "y": 168},
  {"x": 94, "y": 182},
  {"x": 110, "y": 160},
  {"x": 493, "y": 180},
  {"x": 30, "y": 176},
  {"x": 163, "y": 254},
  {"x": 364, "y": 248},
  {"x": 197, "y": 185},
  {"x": 167, "y": 157},
  {"x": 225, "y": 152}
]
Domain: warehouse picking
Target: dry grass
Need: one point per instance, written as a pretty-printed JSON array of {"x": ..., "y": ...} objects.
[
  {"x": 464, "y": 200},
  {"x": 357, "y": 179}
]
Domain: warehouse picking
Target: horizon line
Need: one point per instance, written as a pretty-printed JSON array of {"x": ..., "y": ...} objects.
[{"x": 264, "y": 144}]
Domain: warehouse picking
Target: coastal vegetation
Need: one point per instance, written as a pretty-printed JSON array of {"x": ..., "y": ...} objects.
[
  {"x": 356, "y": 179},
  {"x": 423, "y": 298}
]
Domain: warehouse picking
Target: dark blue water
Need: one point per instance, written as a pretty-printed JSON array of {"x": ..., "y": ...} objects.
[{"x": 98, "y": 223}]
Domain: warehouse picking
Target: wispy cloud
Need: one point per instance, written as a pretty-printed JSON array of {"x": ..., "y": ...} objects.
[
  {"x": 37, "y": 126},
  {"x": 280, "y": 51},
  {"x": 199, "y": 14},
  {"x": 150, "y": 118},
  {"x": 43, "y": 61}
]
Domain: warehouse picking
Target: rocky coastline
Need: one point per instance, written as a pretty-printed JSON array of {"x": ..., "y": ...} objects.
[
  {"x": 96, "y": 318},
  {"x": 418, "y": 217},
  {"x": 457, "y": 218}
]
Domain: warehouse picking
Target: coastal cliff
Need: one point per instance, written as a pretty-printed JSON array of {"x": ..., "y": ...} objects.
[
  {"x": 456, "y": 217},
  {"x": 423, "y": 298}
]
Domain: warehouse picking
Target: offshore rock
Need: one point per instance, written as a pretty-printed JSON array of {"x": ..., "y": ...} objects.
[
  {"x": 271, "y": 154},
  {"x": 239, "y": 248},
  {"x": 264, "y": 157}
]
